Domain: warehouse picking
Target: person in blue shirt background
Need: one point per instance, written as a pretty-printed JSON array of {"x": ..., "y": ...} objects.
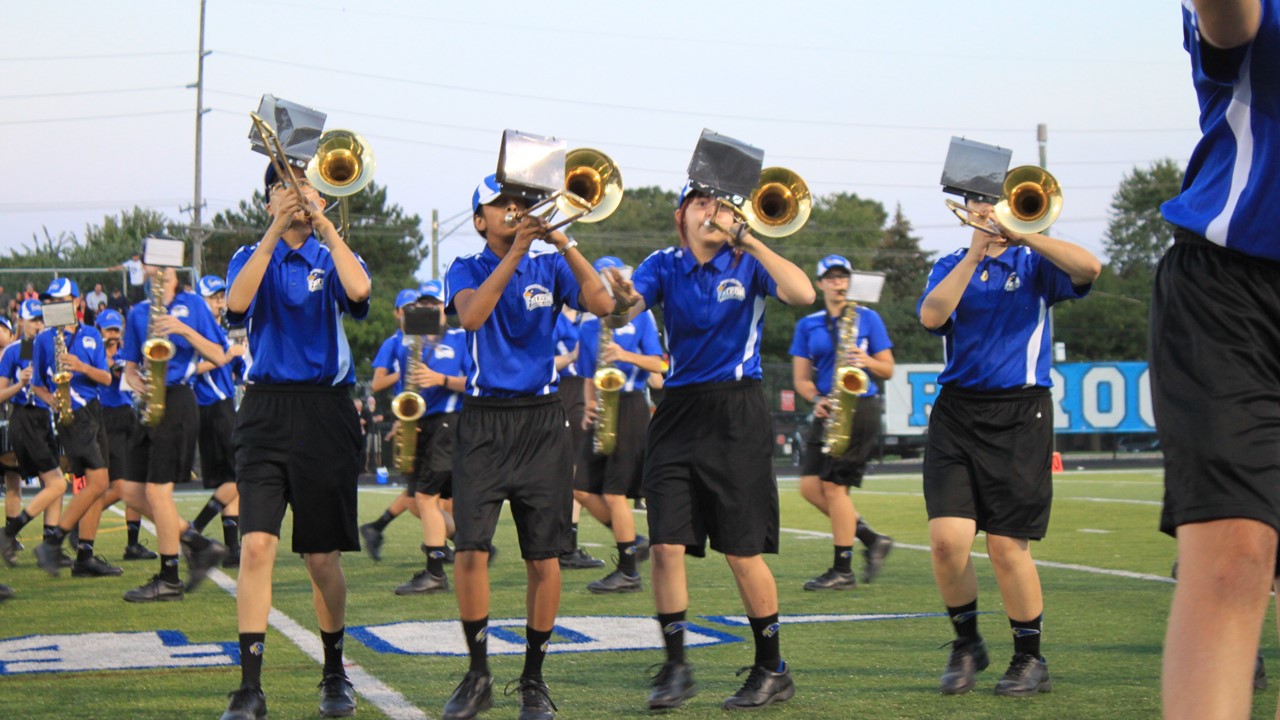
[
  {"x": 709, "y": 467},
  {"x": 297, "y": 434},
  {"x": 987, "y": 463},
  {"x": 1214, "y": 334},
  {"x": 571, "y": 394},
  {"x": 824, "y": 480},
  {"x": 513, "y": 440}
]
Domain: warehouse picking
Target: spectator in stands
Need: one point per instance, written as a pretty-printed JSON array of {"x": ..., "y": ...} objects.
[{"x": 93, "y": 301}]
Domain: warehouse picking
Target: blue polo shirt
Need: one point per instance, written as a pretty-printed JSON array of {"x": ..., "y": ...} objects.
[
  {"x": 815, "y": 336},
  {"x": 513, "y": 353},
  {"x": 639, "y": 336},
  {"x": 112, "y": 396},
  {"x": 713, "y": 313},
  {"x": 10, "y": 366},
  {"x": 192, "y": 310},
  {"x": 999, "y": 336},
  {"x": 566, "y": 339},
  {"x": 388, "y": 358},
  {"x": 82, "y": 341},
  {"x": 295, "y": 320},
  {"x": 219, "y": 384},
  {"x": 1230, "y": 189},
  {"x": 447, "y": 356}
]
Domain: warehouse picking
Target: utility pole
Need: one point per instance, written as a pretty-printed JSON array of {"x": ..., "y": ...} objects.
[
  {"x": 197, "y": 201},
  {"x": 435, "y": 244},
  {"x": 1042, "y": 137}
]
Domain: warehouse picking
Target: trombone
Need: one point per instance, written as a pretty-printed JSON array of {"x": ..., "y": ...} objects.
[
  {"x": 342, "y": 166},
  {"x": 1030, "y": 202},
  {"x": 592, "y": 191},
  {"x": 779, "y": 205}
]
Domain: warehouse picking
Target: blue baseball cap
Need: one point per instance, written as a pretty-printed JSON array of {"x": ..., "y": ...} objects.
[
  {"x": 211, "y": 285},
  {"x": 4, "y": 320},
  {"x": 432, "y": 289},
  {"x": 108, "y": 319},
  {"x": 62, "y": 288},
  {"x": 407, "y": 296},
  {"x": 608, "y": 261},
  {"x": 486, "y": 192},
  {"x": 31, "y": 309},
  {"x": 684, "y": 193},
  {"x": 833, "y": 262}
]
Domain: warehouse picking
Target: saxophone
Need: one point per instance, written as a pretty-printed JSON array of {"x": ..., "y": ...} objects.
[
  {"x": 408, "y": 407},
  {"x": 608, "y": 381},
  {"x": 157, "y": 351},
  {"x": 849, "y": 382},
  {"x": 62, "y": 379}
]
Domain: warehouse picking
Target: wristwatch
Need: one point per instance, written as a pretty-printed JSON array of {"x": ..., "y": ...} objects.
[{"x": 567, "y": 246}]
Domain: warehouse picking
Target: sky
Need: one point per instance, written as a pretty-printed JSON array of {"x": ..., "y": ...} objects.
[{"x": 856, "y": 97}]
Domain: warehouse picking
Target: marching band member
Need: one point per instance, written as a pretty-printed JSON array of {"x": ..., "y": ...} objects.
[
  {"x": 987, "y": 465},
  {"x": 825, "y": 480},
  {"x": 709, "y": 466}
]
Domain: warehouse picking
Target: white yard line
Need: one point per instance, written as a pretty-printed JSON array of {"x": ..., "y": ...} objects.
[{"x": 391, "y": 703}]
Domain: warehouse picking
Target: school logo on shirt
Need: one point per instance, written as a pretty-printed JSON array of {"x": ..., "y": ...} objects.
[
  {"x": 537, "y": 296},
  {"x": 1013, "y": 283},
  {"x": 625, "y": 330},
  {"x": 180, "y": 311},
  {"x": 89, "y": 343},
  {"x": 445, "y": 352},
  {"x": 315, "y": 280},
  {"x": 731, "y": 289}
]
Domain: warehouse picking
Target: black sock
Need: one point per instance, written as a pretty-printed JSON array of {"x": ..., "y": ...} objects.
[
  {"x": 765, "y": 632},
  {"x": 673, "y": 626},
  {"x": 627, "y": 557},
  {"x": 231, "y": 531},
  {"x": 193, "y": 538},
  {"x": 381, "y": 523},
  {"x": 14, "y": 525},
  {"x": 535, "y": 651},
  {"x": 1026, "y": 635},
  {"x": 843, "y": 559},
  {"x": 84, "y": 551},
  {"x": 169, "y": 568},
  {"x": 134, "y": 527},
  {"x": 252, "y": 647},
  {"x": 207, "y": 513},
  {"x": 965, "y": 620},
  {"x": 332, "y": 642},
  {"x": 865, "y": 534},
  {"x": 53, "y": 535},
  {"x": 573, "y": 537},
  {"x": 477, "y": 634},
  {"x": 435, "y": 560}
]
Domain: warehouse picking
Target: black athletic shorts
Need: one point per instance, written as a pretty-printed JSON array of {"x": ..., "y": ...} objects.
[
  {"x": 298, "y": 446},
  {"x": 121, "y": 423},
  {"x": 166, "y": 453},
  {"x": 515, "y": 449},
  {"x": 848, "y": 469},
  {"x": 84, "y": 441},
  {"x": 433, "y": 463},
  {"x": 709, "y": 470},
  {"x": 217, "y": 455},
  {"x": 621, "y": 472},
  {"x": 572, "y": 393},
  {"x": 989, "y": 458},
  {"x": 32, "y": 432},
  {"x": 1215, "y": 383}
]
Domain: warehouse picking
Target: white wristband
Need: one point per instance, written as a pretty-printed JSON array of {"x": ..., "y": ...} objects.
[{"x": 567, "y": 246}]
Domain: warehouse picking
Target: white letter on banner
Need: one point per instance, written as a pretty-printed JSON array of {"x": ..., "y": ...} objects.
[
  {"x": 1097, "y": 418},
  {"x": 1144, "y": 398}
]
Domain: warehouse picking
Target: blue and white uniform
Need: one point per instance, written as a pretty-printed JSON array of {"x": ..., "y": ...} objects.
[
  {"x": 11, "y": 364},
  {"x": 639, "y": 336},
  {"x": 447, "y": 356},
  {"x": 815, "y": 338},
  {"x": 192, "y": 310},
  {"x": 85, "y": 343}
]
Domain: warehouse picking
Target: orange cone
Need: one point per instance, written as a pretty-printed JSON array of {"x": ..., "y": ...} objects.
[{"x": 1057, "y": 462}]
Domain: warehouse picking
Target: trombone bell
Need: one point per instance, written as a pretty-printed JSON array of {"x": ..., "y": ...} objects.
[
  {"x": 780, "y": 204},
  {"x": 592, "y": 183},
  {"x": 343, "y": 164},
  {"x": 1031, "y": 200}
]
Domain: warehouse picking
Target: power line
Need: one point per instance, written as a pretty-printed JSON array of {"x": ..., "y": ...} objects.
[
  {"x": 105, "y": 56},
  {"x": 83, "y": 118},
  {"x": 77, "y": 93}
]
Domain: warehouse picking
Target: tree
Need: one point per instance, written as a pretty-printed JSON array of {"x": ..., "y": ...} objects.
[
  {"x": 1137, "y": 234},
  {"x": 906, "y": 268}
]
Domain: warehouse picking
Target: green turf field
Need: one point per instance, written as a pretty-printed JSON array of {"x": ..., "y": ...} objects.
[{"x": 1103, "y": 632}]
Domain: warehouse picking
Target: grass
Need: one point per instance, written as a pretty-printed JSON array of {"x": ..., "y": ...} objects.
[{"x": 1103, "y": 633}]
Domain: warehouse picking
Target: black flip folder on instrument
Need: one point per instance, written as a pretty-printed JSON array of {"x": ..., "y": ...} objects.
[
  {"x": 974, "y": 170},
  {"x": 725, "y": 167}
]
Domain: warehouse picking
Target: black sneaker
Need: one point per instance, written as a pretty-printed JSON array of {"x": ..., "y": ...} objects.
[
  {"x": 8, "y": 549},
  {"x": 579, "y": 559},
  {"x": 6, "y": 592},
  {"x": 875, "y": 555},
  {"x": 200, "y": 562},
  {"x": 96, "y": 566},
  {"x": 762, "y": 688},
  {"x": 642, "y": 548},
  {"x": 966, "y": 661},
  {"x": 48, "y": 557},
  {"x": 1027, "y": 675},
  {"x": 246, "y": 704},
  {"x": 138, "y": 551},
  {"x": 64, "y": 559},
  {"x": 535, "y": 700},
  {"x": 232, "y": 560},
  {"x": 1259, "y": 674},
  {"x": 832, "y": 579},
  {"x": 617, "y": 582},
  {"x": 337, "y": 697},
  {"x": 372, "y": 541},
  {"x": 156, "y": 590},
  {"x": 424, "y": 583},
  {"x": 473, "y": 695},
  {"x": 672, "y": 686}
]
